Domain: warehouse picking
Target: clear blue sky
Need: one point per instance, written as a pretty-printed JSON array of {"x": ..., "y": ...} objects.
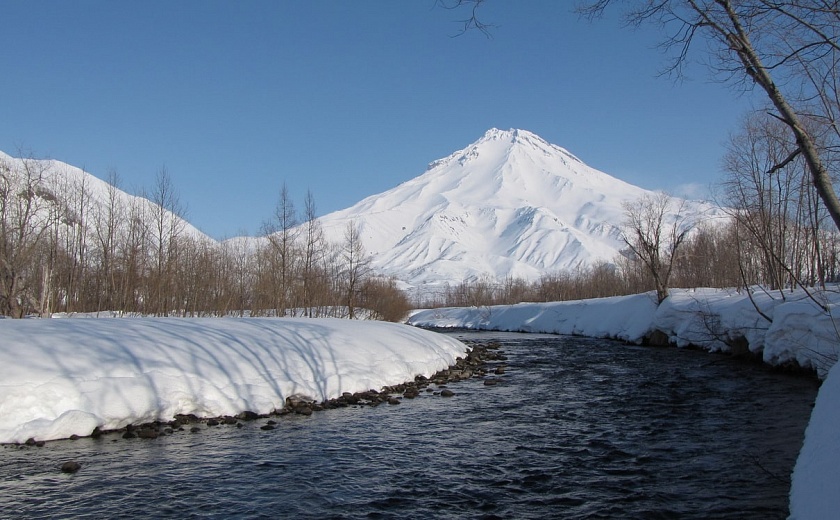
[{"x": 346, "y": 99}]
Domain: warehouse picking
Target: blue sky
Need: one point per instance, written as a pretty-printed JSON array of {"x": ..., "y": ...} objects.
[{"x": 346, "y": 99}]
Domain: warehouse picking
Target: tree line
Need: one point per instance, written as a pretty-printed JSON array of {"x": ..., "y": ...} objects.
[{"x": 66, "y": 247}]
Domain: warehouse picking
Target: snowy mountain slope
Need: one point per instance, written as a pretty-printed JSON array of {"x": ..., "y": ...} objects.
[
  {"x": 510, "y": 204},
  {"x": 61, "y": 185}
]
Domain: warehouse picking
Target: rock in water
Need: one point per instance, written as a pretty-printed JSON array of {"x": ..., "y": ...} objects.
[
  {"x": 248, "y": 415},
  {"x": 147, "y": 433},
  {"x": 70, "y": 466}
]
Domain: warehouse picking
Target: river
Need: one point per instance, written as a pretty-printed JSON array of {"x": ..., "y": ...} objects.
[{"x": 575, "y": 428}]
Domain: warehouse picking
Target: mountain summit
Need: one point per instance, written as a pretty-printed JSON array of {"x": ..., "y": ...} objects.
[{"x": 510, "y": 204}]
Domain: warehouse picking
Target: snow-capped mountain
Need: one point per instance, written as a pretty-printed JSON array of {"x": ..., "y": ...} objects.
[{"x": 510, "y": 204}]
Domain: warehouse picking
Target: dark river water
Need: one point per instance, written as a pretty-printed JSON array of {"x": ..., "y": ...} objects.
[{"x": 577, "y": 428}]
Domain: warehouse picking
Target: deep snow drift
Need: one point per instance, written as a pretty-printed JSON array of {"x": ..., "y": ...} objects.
[
  {"x": 717, "y": 320},
  {"x": 60, "y": 377}
]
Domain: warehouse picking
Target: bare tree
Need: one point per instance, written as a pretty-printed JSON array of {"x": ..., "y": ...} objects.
[
  {"x": 384, "y": 299},
  {"x": 654, "y": 230},
  {"x": 472, "y": 21},
  {"x": 282, "y": 233},
  {"x": 356, "y": 265},
  {"x": 108, "y": 219},
  {"x": 25, "y": 219},
  {"x": 709, "y": 258},
  {"x": 314, "y": 251},
  {"x": 76, "y": 205},
  {"x": 761, "y": 196},
  {"x": 239, "y": 258},
  {"x": 776, "y": 213},
  {"x": 132, "y": 261},
  {"x": 167, "y": 226}
]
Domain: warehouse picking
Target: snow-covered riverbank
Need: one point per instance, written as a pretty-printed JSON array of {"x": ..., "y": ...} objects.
[
  {"x": 714, "y": 319},
  {"x": 717, "y": 320},
  {"x": 61, "y": 377}
]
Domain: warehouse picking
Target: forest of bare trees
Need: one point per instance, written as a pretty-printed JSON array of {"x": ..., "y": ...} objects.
[
  {"x": 726, "y": 255},
  {"x": 67, "y": 248}
]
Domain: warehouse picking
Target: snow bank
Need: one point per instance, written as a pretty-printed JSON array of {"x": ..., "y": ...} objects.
[
  {"x": 724, "y": 320},
  {"x": 815, "y": 484},
  {"x": 714, "y": 319},
  {"x": 804, "y": 333},
  {"x": 64, "y": 377},
  {"x": 626, "y": 318}
]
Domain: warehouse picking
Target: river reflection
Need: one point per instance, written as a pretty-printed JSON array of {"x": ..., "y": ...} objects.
[{"x": 577, "y": 428}]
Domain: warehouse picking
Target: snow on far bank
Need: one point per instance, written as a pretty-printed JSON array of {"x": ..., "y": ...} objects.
[
  {"x": 64, "y": 377},
  {"x": 626, "y": 318},
  {"x": 714, "y": 319}
]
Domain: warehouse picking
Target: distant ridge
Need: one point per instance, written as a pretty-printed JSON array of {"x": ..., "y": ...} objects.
[{"x": 60, "y": 178}]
